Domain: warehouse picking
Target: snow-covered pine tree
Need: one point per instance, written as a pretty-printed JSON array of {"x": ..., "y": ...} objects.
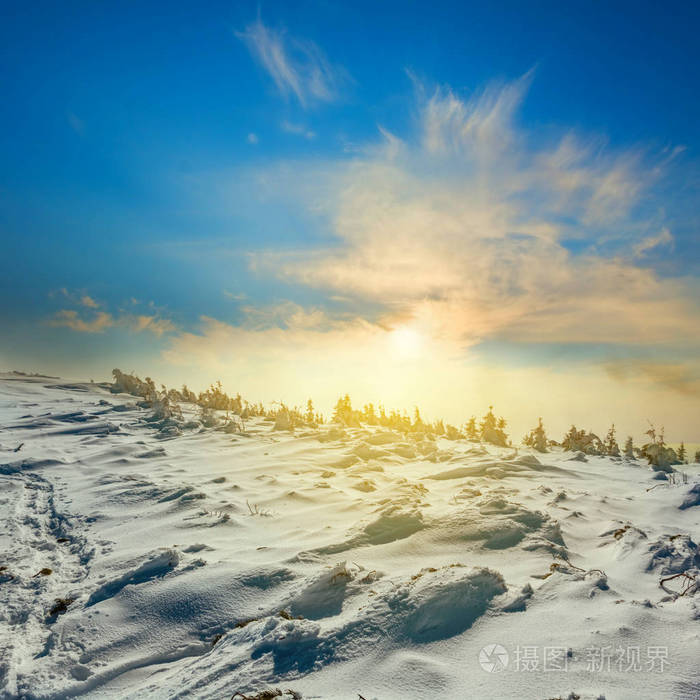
[
  {"x": 612, "y": 449},
  {"x": 536, "y": 438},
  {"x": 310, "y": 415},
  {"x": 492, "y": 429},
  {"x": 471, "y": 430}
]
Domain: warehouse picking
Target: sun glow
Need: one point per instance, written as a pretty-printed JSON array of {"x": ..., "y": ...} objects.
[{"x": 407, "y": 342}]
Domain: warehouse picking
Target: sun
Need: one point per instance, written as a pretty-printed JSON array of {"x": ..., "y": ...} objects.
[{"x": 407, "y": 342}]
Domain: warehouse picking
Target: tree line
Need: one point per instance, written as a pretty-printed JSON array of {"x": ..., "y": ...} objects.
[{"x": 490, "y": 428}]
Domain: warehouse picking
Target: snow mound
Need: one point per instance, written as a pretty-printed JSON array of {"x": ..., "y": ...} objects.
[
  {"x": 674, "y": 554},
  {"x": 156, "y": 566},
  {"x": 443, "y": 603},
  {"x": 521, "y": 467},
  {"x": 265, "y": 579},
  {"x": 692, "y": 498},
  {"x": 394, "y": 523},
  {"x": 27, "y": 464},
  {"x": 496, "y": 524},
  {"x": 324, "y": 596},
  {"x": 383, "y": 438}
]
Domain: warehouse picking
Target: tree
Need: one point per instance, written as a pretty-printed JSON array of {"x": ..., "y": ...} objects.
[
  {"x": 610, "y": 445},
  {"x": 344, "y": 414},
  {"x": 310, "y": 415},
  {"x": 471, "y": 429},
  {"x": 451, "y": 433},
  {"x": 536, "y": 438},
  {"x": 581, "y": 441},
  {"x": 629, "y": 448},
  {"x": 418, "y": 425},
  {"x": 659, "y": 456},
  {"x": 492, "y": 430},
  {"x": 187, "y": 395},
  {"x": 682, "y": 453}
]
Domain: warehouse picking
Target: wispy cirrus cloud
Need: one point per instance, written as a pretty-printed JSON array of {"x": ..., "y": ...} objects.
[
  {"x": 297, "y": 130},
  {"x": 663, "y": 239},
  {"x": 298, "y": 67},
  {"x": 467, "y": 227}
]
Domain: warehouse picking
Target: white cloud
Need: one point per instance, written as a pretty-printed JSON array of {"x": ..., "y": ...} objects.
[
  {"x": 298, "y": 67},
  {"x": 78, "y": 298},
  {"x": 70, "y": 318},
  {"x": 467, "y": 226},
  {"x": 100, "y": 321},
  {"x": 88, "y": 301},
  {"x": 663, "y": 239},
  {"x": 298, "y": 130},
  {"x": 154, "y": 324}
]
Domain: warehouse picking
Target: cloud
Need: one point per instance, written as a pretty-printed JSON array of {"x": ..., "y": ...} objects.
[
  {"x": 298, "y": 67},
  {"x": 662, "y": 239},
  {"x": 682, "y": 378},
  {"x": 88, "y": 301},
  {"x": 240, "y": 296},
  {"x": 70, "y": 319},
  {"x": 468, "y": 228},
  {"x": 153, "y": 324},
  {"x": 252, "y": 138},
  {"x": 298, "y": 130},
  {"x": 100, "y": 321},
  {"x": 78, "y": 298}
]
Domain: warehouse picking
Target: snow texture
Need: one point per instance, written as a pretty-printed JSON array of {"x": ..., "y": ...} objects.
[{"x": 138, "y": 562}]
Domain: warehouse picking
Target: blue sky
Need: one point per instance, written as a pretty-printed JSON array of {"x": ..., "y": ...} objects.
[{"x": 517, "y": 184}]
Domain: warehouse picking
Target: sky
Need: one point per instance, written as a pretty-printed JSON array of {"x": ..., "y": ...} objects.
[{"x": 448, "y": 205}]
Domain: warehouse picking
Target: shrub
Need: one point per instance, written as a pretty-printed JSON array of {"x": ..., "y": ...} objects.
[
  {"x": 610, "y": 445},
  {"x": 682, "y": 453},
  {"x": 536, "y": 438},
  {"x": 657, "y": 453},
  {"x": 470, "y": 429},
  {"x": 344, "y": 413},
  {"x": 451, "y": 433},
  {"x": 131, "y": 384},
  {"x": 581, "y": 441},
  {"x": 492, "y": 430},
  {"x": 207, "y": 417}
]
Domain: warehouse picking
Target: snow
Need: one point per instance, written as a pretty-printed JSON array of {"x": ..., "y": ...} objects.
[{"x": 138, "y": 561}]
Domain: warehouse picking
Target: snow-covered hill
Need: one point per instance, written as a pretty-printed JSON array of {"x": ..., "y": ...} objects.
[{"x": 331, "y": 563}]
